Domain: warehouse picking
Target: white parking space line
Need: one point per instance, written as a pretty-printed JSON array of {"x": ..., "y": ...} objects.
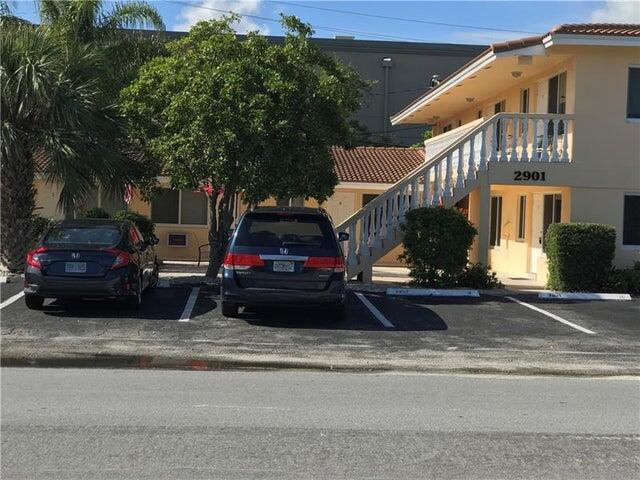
[
  {"x": 552, "y": 315},
  {"x": 191, "y": 302},
  {"x": 376, "y": 313},
  {"x": 10, "y": 300}
]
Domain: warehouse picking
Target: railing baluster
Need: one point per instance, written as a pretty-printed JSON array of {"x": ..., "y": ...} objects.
[
  {"x": 565, "y": 141},
  {"x": 426, "y": 189},
  {"x": 460, "y": 169},
  {"x": 535, "y": 157},
  {"x": 394, "y": 210},
  {"x": 503, "y": 139},
  {"x": 471, "y": 168},
  {"x": 437, "y": 184},
  {"x": 352, "y": 258},
  {"x": 447, "y": 178},
  {"x": 524, "y": 156},
  {"x": 554, "y": 143},
  {"x": 415, "y": 193},
  {"x": 401, "y": 205},
  {"x": 494, "y": 141},
  {"x": 545, "y": 140},
  {"x": 514, "y": 139},
  {"x": 483, "y": 149},
  {"x": 363, "y": 251}
]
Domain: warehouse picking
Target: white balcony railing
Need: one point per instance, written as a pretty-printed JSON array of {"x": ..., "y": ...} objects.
[{"x": 505, "y": 137}]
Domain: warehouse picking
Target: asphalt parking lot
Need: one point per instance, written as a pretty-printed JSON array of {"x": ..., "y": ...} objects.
[{"x": 373, "y": 320}]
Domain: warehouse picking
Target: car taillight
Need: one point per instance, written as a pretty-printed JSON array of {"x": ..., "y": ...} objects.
[
  {"x": 335, "y": 263},
  {"x": 122, "y": 258},
  {"x": 242, "y": 261},
  {"x": 33, "y": 257}
]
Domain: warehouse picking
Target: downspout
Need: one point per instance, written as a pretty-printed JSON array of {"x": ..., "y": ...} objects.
[{"x": 386, "y": 65}]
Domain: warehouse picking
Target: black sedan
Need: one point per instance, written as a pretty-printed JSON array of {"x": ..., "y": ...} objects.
[{"x": 90, "y": 258}]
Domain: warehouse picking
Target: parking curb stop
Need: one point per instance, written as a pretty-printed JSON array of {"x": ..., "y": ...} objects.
[
  {"x": 432, "y": 292},
  {"x": 583, "y": 296}
]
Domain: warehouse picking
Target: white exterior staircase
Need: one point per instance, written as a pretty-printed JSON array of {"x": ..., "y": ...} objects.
[{"x": 450, "y": 175}]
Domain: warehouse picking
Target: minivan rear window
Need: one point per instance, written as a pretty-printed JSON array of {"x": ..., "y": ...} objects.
[
  {"x": 262, "y": 230},
  {"x": 94, "y": 235}
]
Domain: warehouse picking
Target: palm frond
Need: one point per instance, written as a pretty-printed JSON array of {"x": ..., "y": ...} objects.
[{"x": 135, "y": 14}]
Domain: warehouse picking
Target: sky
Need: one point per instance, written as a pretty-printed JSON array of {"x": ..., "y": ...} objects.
[{"x": 474, "y": 22}]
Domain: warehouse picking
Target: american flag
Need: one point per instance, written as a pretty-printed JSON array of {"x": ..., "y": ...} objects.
[{"x": 128, "y": 194}]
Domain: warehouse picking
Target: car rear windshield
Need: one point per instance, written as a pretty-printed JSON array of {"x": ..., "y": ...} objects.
[
  {"x": 277, "y": 230},
  {"x": 93, "y": 235}
]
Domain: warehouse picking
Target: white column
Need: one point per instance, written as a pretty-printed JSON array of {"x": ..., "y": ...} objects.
[{"x": 565, "y": 141}]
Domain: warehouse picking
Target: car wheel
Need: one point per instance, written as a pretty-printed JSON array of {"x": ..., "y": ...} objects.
[
  {"x": 229, "y": 310},
  {"x": 34, "y": 302}
]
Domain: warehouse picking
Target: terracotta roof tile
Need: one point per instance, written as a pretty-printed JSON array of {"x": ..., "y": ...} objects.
[
  {"x": 616, "y": 29},
  {"x": 375, "y": 164}
]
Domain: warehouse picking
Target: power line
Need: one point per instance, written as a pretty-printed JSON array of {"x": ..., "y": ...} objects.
[
  {"x": 412, "y": 20},
  {"x": 316, "y": 27}
]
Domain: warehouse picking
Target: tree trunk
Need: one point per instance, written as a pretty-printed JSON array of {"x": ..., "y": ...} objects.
[
  {"x": 221, "y": 208},
  {"x": 16, "y": 211}
]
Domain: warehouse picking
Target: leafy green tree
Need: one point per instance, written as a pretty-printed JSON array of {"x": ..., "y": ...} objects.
[
  {"x": 244, "y": 116},
  {"x": 53, "y": 111}
]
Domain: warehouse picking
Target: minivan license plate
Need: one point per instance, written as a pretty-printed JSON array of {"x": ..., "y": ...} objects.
[
  {"x": 280, "y": 266},
  {"x": 75, "y": 267}
]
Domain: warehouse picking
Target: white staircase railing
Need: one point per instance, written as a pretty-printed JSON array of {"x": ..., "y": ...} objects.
[{"x": 447, "y": 177}]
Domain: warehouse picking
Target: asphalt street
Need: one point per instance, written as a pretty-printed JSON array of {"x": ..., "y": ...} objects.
[{"x": 105, "y": 424}]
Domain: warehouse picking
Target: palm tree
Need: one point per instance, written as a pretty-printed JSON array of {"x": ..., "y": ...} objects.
[
  {"x": 55, "y": 123},
  {"x": 87, "y": 20}
]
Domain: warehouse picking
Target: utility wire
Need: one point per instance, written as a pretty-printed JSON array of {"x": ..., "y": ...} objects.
[
  {"x": 316, "y": 27},
  {"x": 400, "y": 19}
]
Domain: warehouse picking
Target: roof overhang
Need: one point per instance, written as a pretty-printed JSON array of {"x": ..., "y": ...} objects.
[{"x": 536, "y": 47}]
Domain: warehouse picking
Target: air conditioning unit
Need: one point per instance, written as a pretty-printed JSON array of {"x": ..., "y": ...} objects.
[{"x": 177, "y": 239}]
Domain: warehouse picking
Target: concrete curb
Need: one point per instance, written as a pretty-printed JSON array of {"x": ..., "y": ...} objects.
[
  {"x": 432, "y": 292},
  {"x": 116, "y": 361}
]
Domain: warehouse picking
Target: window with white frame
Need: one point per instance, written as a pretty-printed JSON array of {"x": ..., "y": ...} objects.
[
  {"x": 633, "y": 93},
  {"x": 179, "y": 207},
  {"x": 522, "y": 213},
  {"x": 631, "y": 222},
  {"x": 495, "y": 229}
]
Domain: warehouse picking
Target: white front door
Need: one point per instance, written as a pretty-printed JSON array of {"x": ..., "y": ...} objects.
[
  {"x": 537, "y": 230},
  {"x": 341, "y": 205}
]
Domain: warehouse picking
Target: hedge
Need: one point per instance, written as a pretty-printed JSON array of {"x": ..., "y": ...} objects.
[
  {"x": 145, "y": 225},
  {"x": 436, "y": 245},
  {"x": 579, "y": 256}
]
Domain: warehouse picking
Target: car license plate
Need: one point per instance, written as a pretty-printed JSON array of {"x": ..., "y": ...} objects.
[
  {"x": 75, "y": 267},
  {"x": 280, "y": 266}
]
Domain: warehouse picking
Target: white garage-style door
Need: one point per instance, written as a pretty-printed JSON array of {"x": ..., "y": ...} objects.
[{"x": 340, "y": 206}]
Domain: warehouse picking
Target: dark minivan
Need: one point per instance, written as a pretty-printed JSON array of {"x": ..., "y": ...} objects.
[
  {"x": 90, "y": 258},
  {"x": 284, "y": 256}
]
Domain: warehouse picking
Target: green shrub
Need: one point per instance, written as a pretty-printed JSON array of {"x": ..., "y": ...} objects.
[
  {"x": 625, "y": 280},
  {"x": 479, "y": 276},
  {"x": 579, "y": 256},
  {"x": 96, "y": 212},
  {"x": 145, "y": 225},
  {"x": 436, "y": 244}
]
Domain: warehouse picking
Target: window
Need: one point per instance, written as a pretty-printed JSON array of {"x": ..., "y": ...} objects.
[
  {"x": 495, "y": 231},
  {"x": 524, "y": 100},
  {"x": 522, "y": 212},
  {"x": 479, "y": 113},
  {"x": 633, "y": 93},
  {"x": 551, "y": 214},
  {"x": 631, "y": 224},
  {"x": 368, "y": 197},
  {"x": 179, "y": 207},
  {"x": 446, "y": 128}
]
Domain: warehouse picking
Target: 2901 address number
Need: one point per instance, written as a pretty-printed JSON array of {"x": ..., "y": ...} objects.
[{"x": 520, "y": 176}]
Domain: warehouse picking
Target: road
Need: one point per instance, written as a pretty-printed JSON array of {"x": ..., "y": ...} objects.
[{"x": 150, "y": 424}]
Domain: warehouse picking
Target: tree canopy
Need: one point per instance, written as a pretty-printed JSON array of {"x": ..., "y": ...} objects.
[{"x": 245, "y": 115}]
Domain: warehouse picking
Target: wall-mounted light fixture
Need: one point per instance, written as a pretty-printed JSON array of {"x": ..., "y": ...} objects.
[
  {"x": 516, "y": 74},
  {"x": 470, "y": 99}
]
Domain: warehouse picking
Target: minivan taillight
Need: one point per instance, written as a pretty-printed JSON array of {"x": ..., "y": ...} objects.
[
  {"x": 330, "y": 263},
  {"x": 33, "y": 257},
  {"x": 242, "y": 261},
  {"x": 122, "y": 258}
]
